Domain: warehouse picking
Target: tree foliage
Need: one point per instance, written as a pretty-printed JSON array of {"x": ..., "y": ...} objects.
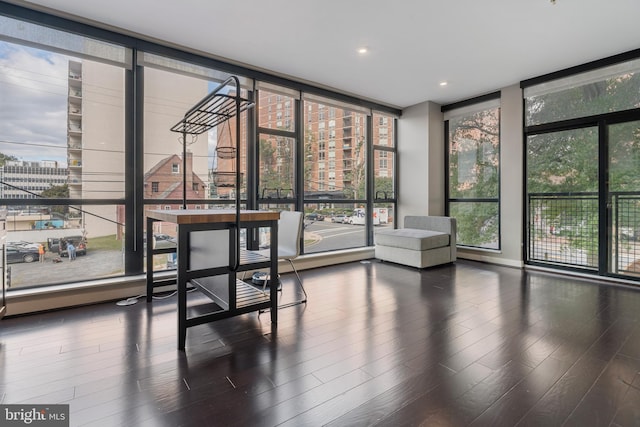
[
  {"x": 276, "y": 166},
  {"x": 474, "y": 159},
  {"x": 564, "y": 164},
  {"x": 6, "y": 157},
  {"x": 56, "y": 192}
]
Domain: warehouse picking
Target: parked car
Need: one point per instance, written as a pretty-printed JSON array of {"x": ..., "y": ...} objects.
[
  {"x": 21, "y": 254},
  {"x": 314, "y": 216},
  {"x": 161, "y": 241},
  {"x": 340, "y": 218},
  {"x": 59, "y": 245},
  {"x": 627, "y": 233},
  {"x": 23, "y": 244}
]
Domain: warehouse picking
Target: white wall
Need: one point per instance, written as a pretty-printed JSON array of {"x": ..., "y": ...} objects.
[
  {"x": 421, "y": 172},
  {"x": 421, "y": 161}
]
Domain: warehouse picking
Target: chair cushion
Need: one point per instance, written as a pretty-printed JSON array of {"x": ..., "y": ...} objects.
[{"x": 411, "y": 238}]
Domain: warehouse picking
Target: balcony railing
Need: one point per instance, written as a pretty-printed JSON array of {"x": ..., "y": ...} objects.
[{"x": 564, "y": 229}]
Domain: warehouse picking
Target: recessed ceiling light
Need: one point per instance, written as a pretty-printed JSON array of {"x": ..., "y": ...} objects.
[
  {"x": 444, "y": 83},
  {"x": 363, "y": 50}
]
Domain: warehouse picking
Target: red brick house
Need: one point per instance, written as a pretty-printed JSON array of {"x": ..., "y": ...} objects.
[{"x": 164, "y": 181}]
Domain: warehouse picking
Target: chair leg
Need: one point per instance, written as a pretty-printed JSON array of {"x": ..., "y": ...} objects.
[
  {"x": 302, "y": 301},
  {"x": 291, "y": 304}
]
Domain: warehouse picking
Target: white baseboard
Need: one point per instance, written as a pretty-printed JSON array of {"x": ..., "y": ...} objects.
[
  {"x": 24, "y": 301},
  {"x": 486, "y": 257}
]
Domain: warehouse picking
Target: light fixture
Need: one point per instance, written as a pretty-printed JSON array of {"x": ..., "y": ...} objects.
[
  {"x": 363, "y": 50},
  {"x": 444, "y": 83}
]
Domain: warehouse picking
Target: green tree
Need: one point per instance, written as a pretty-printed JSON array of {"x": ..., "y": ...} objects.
[
  {"x": 616, "y": 93},
  {"x": 276, "y": 165},
  {"x": 6, "y": 157},
  {"x": 57, "y": 192},
  {"x": 382, "y": 185},
  {"x": 566, "y": 162},
  {"x": 474, "y": 158},
  {"x": 268, "y": 177},
  {"x": 358, "y": 171}
]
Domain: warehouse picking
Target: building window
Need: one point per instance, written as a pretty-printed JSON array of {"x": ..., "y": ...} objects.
[
  {"x": 382, "y": 156},
  {"x": 175, "y": 168},
  {"x": 384, "y": 180},
  {"x": 155, "y": 187},
  {"x": 473, "y": 140}
]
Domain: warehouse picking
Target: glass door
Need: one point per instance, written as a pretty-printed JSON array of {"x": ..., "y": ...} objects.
[
  {"x": 562, "y": 196},
  {"x": 623, "y": 199}
]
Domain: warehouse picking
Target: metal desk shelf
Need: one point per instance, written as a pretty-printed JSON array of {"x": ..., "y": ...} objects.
[{"x": 206, "y": 252}]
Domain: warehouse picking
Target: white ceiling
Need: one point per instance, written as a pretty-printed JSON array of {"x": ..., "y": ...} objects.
[{"x": 477, "y": 46}]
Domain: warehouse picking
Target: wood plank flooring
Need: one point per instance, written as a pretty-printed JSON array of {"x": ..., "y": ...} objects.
[{"x": 377, "y": 344}]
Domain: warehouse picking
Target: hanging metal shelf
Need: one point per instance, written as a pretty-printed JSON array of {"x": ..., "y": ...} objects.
[
  {"x": 219, "y": 106},
  {"x": 214, "y": 109}
]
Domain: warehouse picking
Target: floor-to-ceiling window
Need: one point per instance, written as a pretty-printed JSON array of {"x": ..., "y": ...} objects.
[
  {"x": 62, "y": 151},
  {"x": 86, "y": 148},
  {"x": 335, "y": 184},
  {"x": 472, "y": 133},
  {"x": 384, "y": 166},
  {"x": 171, "y": 88},
  {"x": 277, "y": 148},
  {"x": 582, "y": 162}
]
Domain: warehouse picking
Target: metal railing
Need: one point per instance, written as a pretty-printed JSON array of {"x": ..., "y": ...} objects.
[{"x": 563, "y": 229}]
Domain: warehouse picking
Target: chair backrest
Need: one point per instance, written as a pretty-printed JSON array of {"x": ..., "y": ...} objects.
[{"x": 289, "y": 232}]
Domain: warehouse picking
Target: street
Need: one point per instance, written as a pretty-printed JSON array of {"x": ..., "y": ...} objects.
[
  {"x": 322, "y": 236},
  {"x": 93, "y": 265},
  {"x": 319, "y": 236}
]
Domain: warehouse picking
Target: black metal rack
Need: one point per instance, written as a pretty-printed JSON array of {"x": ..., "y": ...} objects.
[
  {"x": 206, "y": 265},
  {"x": 215, "y": 109}
]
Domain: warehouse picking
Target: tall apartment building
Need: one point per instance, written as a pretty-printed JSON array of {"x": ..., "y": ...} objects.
[
  {"x": 334, "y": 150},
  {"x": 74, "y": 130},
  {"x": 96, "y": 133}
]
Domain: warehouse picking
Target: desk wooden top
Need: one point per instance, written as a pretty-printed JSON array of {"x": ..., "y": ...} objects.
[{"x": 209, "y": 216}]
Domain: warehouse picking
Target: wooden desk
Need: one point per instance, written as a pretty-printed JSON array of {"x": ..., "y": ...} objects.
[{"x": 207, "y": 255}]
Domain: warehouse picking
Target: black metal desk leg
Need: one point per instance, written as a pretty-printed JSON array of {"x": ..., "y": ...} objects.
[
  {"x": 183, "y": 259},
  {"x": 275, "y": 279},
  {"x": 149, "y": 252}
]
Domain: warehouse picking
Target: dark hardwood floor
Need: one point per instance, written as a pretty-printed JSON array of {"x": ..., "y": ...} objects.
[{"x": 377, "y": 344}]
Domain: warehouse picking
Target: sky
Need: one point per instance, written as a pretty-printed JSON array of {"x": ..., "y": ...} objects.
[{"x": 33, "y": 103}]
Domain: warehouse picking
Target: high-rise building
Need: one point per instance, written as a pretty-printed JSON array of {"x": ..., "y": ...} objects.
[
  {"x": 334, "y": 150},
  {"x": 96, "y": 135}
]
